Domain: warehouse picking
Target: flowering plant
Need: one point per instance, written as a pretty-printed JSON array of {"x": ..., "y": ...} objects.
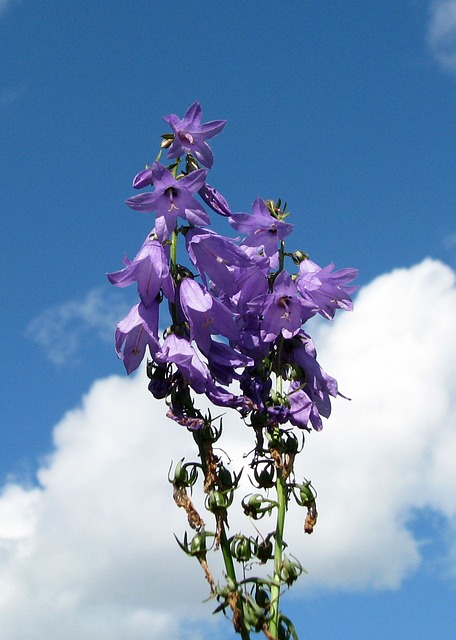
[{"x": 234, "y": 317}]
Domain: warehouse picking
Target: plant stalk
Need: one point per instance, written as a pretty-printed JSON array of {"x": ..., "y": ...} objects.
[{"x": 278, "y": 553}]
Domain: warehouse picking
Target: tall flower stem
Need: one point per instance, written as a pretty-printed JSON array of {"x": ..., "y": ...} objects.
[
  {"x": 281, "y": 490},
  {"x": 226, "y": 553},
  {"x": 172, "y": 265},
  {"x": 231, "y": 573}
]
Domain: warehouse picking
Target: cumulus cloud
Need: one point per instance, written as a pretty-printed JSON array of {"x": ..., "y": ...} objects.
[
  {"x": 442, "y": 32},
  {"x": 90, "y": 549},
  {"x": 64, "y": 329}
]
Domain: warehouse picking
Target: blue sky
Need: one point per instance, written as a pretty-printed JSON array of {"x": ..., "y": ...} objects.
[{"x": 347, "y": 112}]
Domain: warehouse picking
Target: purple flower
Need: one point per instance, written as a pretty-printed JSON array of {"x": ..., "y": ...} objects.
[
  {"x": 190, "y": 135},
  {"x": 160, "y": 385},
  {"x": 261, "y": 227},
  {"x": 279, "y": 413},
  {"x": 206, "y": 315},
  {"x": 256, "y": 388},
  {"x": 214, "y": 200},
  {"x": 280, "y": 311},
  {"x": 327, "y": 290},
  {"x": 150, "y": 270},
  {"x": 143, "y": 179},
  {"x": 216, "y": 255},
  {"x": 223, "y": 361},
  {"x": 222, "y": 398},
  {"x": 319, "y": 386},
  {"x": 135, "y": 332},
  {"x": 180, "y": 352},
  {"x": 171, "y": 199},
  {"x": 301, "y": 408},
  {"x": 252, "y": 283}
]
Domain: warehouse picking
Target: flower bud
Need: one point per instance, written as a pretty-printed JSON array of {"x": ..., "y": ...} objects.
[
  {"x": 256, "y": 506},
  {"x": 306, "y": 494},
  {"x": 253, "y": 614},
  {"x": 265, "y": 476},
  {"x": 214, "y": 200},
  {"x": 217, "y": 500},
  {"x": 264, "y": 550},
  {"x": 198, "y": 544},
  {"x": 240, "y": 548},
  {"x": 142, "y": 179},
  {"x": 299, "y": 256},
  {"x": 184, "y": 478},
  {"x": 290, "y": 571}
]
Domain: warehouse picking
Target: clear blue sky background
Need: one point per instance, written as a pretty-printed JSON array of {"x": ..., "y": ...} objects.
[{"x": 345, "y": 110}]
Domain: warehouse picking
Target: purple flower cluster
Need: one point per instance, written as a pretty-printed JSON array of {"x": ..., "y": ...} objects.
[{"x": 237, "y": 314}]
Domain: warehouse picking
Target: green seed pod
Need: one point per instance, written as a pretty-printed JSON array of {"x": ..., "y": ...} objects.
[
  {"x": 264, "y": 473},
  {"x": 216, "y": 500},
  {"x": 240, "y": 548}
]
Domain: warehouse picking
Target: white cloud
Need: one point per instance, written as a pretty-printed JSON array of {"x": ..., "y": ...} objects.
[
  {"x": 91, "y": 550},
  {"x": 442, "y": 32},
  {"x": 64, "y": 329},
  {"x": 5, "y": 4},
  {"x": 449, "y": 241}
]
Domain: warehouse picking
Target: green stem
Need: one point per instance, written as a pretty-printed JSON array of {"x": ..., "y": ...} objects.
[
  {"x": 278, "y": 368},
  {"x": 278, "y": 553},
  {"x": 172, "y": 267},
  {"x": 281, "y": 255},
  {"x": 231, "y": 573},
  {"x": 173, "y": 252},
  {"x": 226, "y": 553}
]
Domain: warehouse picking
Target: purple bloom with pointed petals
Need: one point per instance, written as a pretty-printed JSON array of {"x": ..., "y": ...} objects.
[
  {"x": 252, "y": 282},
  {"x": 135, "y": 332},
  {"x": 280, "y": 311},
  {"x": 302, "y": 409},
  {"x": 223, "y": 361},
  {"x": 326, "y": 289},
  {"x": 190, "y": 135},
  {"x": 171, "y": 199},
  {"x": 206, "y": 315},
  {"x": 180, "y": 352},
  {"x": 216, "y": 255},
  {"x": 256, "y": 388},
  {"x": 319, "y": 386},
  {"x": 222, "y": 398},
  {"x": 279, "y": 413},
  {"x": 261, "y": 227},
  {"x": 150, "y": 270}
]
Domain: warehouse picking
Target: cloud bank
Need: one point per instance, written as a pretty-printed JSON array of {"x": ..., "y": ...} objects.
[
  {"x": 90, "y": 550},
  {"x": 442, "y": 32},
  {"x": 64, "y": 329}
]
